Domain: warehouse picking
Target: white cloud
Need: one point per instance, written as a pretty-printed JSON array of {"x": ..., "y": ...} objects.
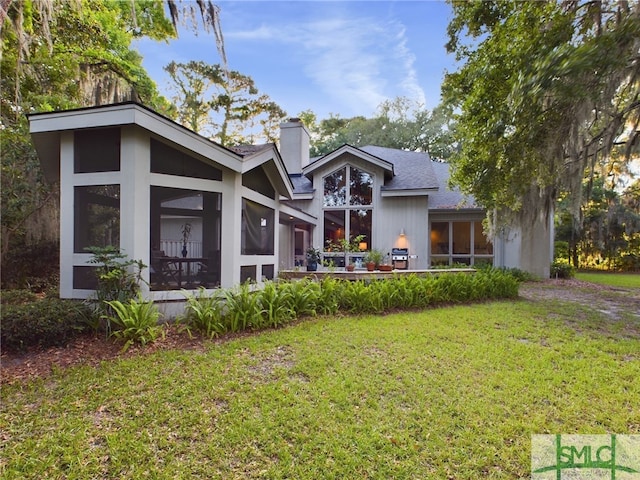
[{"x": 357, "y": 62}]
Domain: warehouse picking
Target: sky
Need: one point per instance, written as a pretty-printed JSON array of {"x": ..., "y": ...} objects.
[{"x": 333, "y": 57}]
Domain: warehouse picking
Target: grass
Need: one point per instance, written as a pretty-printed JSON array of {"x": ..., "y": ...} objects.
[
  {"x": 445, "y": 393},
  {"x": 625, "y": 280}
]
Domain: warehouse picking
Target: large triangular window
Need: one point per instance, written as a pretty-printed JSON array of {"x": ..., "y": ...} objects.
[{"x": 348, "y": 205}]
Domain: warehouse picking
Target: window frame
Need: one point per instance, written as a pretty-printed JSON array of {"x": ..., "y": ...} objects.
[
  {"x": 451, "y": 256},
  {"x": 347, "y": 208}
]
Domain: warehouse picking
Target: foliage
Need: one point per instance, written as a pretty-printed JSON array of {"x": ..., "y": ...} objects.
[
  {"x": 374, "y": 256},
  {"x": 400, "y": 123},
  {"x": 278, "y": 303},
  {"x": 202, "y": 89},
  {"x": 118, "y": 280},
  {"x": 58, "y": 56},
  {"x": 35, "y": 267},
  {"x": 42, "y": 323},
  {"x": 17, "y": 297},
  {"x": 303, "y": 297},
  {"x": 608, "y": 235},
  {"x": 275, "y": 305},
  {"x": 562, "y": 269},
  {"x": 345, "y": 245},
  {"x": 205, "y": 313},
  {"x": 455, "y": 392},
  {"x": 243, "y": 308},
  {"x": 313, "y": 254},
  {"x": 545, "y": 91},
  {"x": 135, "y": 321}
]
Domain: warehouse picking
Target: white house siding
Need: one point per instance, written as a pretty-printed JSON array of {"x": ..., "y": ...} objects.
[
  {"x": 528, "y": 249},
  {"x": 410, "y": 214}
]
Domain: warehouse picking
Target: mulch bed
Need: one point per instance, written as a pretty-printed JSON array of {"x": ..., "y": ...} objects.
[{"x": 87, "y": 349}]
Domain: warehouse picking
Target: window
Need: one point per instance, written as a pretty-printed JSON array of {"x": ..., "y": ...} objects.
[
  {"x": 185, "y": 238},
  {"x": 96, "y": 217},
  {"x": 96, "y": 150},
  {"x": 257, "y": 229},
  {"x": 258, "y": 181},
  {"x": 347, "y": 204},
  {"x": 459, "y": 242},
  {"x": 168, "y": 160}
]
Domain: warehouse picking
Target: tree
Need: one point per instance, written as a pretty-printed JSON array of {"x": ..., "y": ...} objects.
[
  {"x": 399, "y": 123},
  {"x": 66, "y": 55},
  {"x": 546, "y": 92},
  {"x": 242, "y": 113}
]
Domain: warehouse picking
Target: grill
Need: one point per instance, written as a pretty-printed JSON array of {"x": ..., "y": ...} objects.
[{"x": 400, "y": 258}]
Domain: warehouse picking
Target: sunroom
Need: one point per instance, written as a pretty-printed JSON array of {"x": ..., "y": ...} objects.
[{"x": 196, "y": 213}]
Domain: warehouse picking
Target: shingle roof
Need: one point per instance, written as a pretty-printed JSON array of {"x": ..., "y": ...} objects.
[
  {"x": 301, "y": 184},
  {"x": 445, "y": 198},
  {"x": 412, "y": 169},
  {"x": 246, "y": 150}
]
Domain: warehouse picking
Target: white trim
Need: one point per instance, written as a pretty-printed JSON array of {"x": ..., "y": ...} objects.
[
  {"x": 297, "y": 214},
  {"x": 413, "y": 192},
  {"x": 185, "y": 183},
  {"x": 367, "y": 157}
]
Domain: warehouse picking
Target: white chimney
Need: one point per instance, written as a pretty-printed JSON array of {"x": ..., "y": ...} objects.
[{"x": 294, "y": 145}]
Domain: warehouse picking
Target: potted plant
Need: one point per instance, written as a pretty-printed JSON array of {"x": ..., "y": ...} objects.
[
  {"x": 372, "y": 259},
  {"x": 350, "y": 267},
  {"x": 186, "y": 233},
  {"x": 313, "y": 258},
  {"x": 386, "y": 266}
]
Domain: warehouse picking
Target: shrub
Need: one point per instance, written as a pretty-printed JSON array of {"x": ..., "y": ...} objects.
[
  {"x": 135, "y": 321},
  {"x": 118, "y": 280},
  {"x": 33, "y": 267},
  {"x": 303, "y": 296},
  {"x": 17, "y": 297},
  {"x": 44, "y": 323},
  {"x": 562, "y": 270},
  {"x": 275, "y": 305},
  {"x": 243, "y": 308},
  {"x": 205, "y": 313}
]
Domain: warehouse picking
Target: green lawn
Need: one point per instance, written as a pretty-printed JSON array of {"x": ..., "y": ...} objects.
[
  {"x": 627, "y": 280},
  {"x": 446, "y": 393}
]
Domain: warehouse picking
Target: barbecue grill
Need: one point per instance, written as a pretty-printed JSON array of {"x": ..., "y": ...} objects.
[{"x": 400, "y": 258}]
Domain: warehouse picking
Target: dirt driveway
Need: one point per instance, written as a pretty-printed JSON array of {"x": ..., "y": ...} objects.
[{"x": 615, "y": 302}]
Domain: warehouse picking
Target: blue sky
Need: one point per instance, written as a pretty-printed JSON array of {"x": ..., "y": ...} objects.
[{"x": 334, "y": 57}]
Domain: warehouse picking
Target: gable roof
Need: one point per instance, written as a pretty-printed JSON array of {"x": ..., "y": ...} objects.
[
  {"x": 269, "y": 158},
  {"x": 414, "y": 174},
  {"x": 357, "y": 152}
]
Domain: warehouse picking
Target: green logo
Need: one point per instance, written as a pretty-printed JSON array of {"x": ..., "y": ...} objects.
[{"x": 585, "y": 457}]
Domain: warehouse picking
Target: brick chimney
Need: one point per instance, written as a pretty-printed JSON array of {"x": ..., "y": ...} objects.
[{"x": 294, "y": 145}]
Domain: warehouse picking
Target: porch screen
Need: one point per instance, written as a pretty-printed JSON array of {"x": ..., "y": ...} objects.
[
  {"x": 96, "y": 217},
  {"x": 257, "y": 229},
  {"x": 185, "y": 238}
]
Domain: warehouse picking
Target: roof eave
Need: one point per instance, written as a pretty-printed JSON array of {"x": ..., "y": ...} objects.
[
  {"x": 328, "y": 158},
  {"x": 44, "y": 124},
  {"x": 407, "y": 192}
]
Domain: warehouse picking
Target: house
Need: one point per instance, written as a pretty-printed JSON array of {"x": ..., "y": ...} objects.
[
  {"x": 200, "y": 214},
  {"x": 397, "y": 200}
]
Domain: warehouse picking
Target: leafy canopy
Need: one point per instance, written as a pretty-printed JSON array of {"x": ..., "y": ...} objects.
[{"x": 546, "y": 91}]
